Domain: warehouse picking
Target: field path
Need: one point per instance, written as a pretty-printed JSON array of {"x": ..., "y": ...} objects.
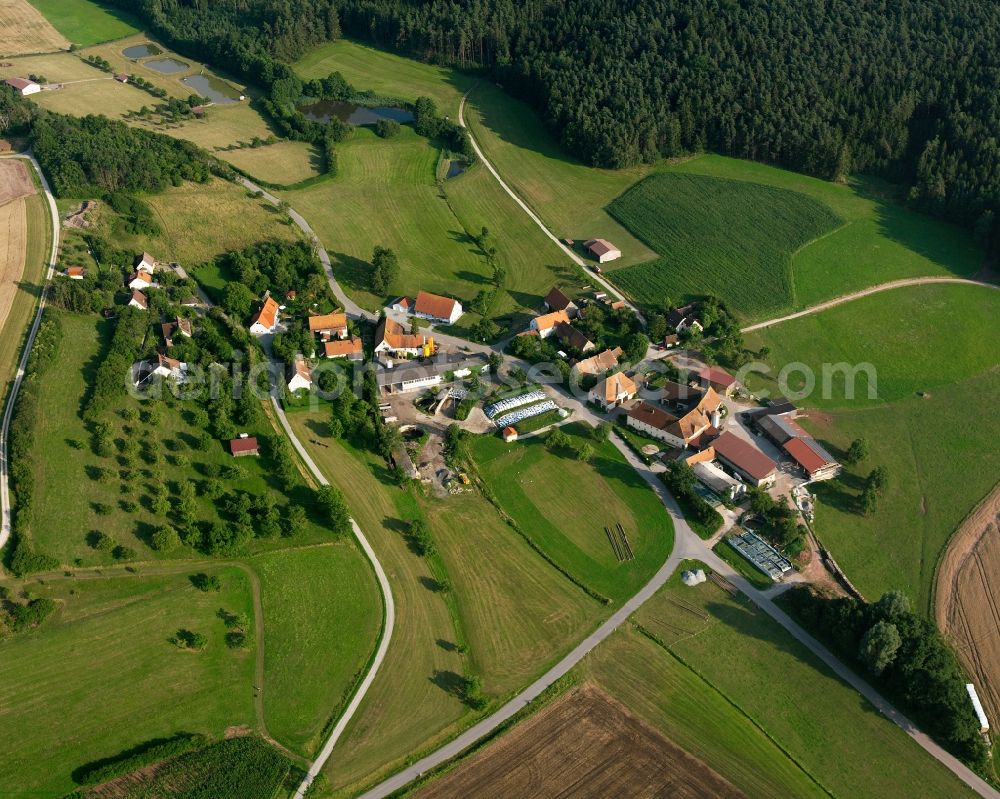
[
  {"x": 389, "y": 623},
  {"x": 856, "y": 295},
  {"x": 687, "y": 545},
  {"x": 591, "y": 275},
  {"x": 5, "y": 514}
]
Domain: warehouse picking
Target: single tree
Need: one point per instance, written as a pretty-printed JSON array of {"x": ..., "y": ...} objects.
[{"x": 879, "y": 646}]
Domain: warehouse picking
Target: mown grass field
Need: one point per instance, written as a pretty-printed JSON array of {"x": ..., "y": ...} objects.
[
  {"x": 65, "y": 459},
  {"x": 791, "y": 696},
  {"x": 405, "y": 708},
  {"x": 85, "y": 23},
  {"x": 283, "y": 163},
  {"x": 322, "y": 616},
  {"x": 101, "y": 674},
  {"x": 564, "y": 504},
  {"x": 387, "y": 74},
  {"x": 917, "y": 338},
  {"x": 200, "y": 221},
  {"x": 385, "y": 194},
  {"x": 24, "y": 30},
  {"x": 27, "y": 292},
  {"x": 732, "y": 239},
  {"x": 933, "y": 339}
]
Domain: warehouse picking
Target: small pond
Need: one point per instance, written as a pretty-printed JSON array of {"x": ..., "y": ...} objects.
[
  {"x": 141, "y": 50},
  {"x": 325, "y": 110},
  {"x": 455, "y": 168},
  {"x": 166, "y": 65},
  {"x": 218, "y": 91}
]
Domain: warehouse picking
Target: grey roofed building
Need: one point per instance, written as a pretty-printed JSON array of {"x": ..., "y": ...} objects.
[
  {"x": 780, "y": 428},
  {"x": 417, "y": 374}
]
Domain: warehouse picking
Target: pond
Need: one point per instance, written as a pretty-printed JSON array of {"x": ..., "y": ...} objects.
[
  {"x": 141, "y": 50},
  {"x": 216, "y": 90},
  {"x": 455, "y": 168},
  {"x": 325, "y": 110},
  {"x": 166, "y": 65}
]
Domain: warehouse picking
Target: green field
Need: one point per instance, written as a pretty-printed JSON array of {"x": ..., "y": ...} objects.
[
  {"x": 101, "y": 674},
  {"x": 283, "y": 163},
  {"x": 386, "y": 74},
  {"x": 918, "y": 338},
  {"x": 63, "y": 529},
  {"x": 85, "y": 23},
  {"x": 791, "y": 696},
  {"x": 564, "y": 504},
  {"x": 938, "y": 340},
  {"x": 385, "y": 194},
  {"x": 732, "y": 239},
  {"x": 36, "y": 261},
  {"x": 322, "y": 616}
]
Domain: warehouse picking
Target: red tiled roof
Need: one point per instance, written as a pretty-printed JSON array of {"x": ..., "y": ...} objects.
[
  {"x": 651, "y": 415},
  {"x": 239, "y": 446},
  {"x": 600, "y": 247},
  {"x": 72, "y": 271},
  {"x": 330, "y": 321},
  {"x": 139, "y": 297},
  {"x": 744, "y": 456},
  {"x": 713, "y": 374},
  {"x": 19, "y": 83},
  {"x": 546, "y": 321},
  {"x": 434, "y": 305},
  {"x": 345, "y": 347},
  {"x": 267, "y": 314},
  {"x": 806, "y": 455}
]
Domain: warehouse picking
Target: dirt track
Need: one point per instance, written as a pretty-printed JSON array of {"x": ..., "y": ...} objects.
[
  {"x": 13, "y": 239},
  {"x": 15, "y": 181},
  {"x": 967, "y": 600},
  {"x": 584, "y": 745}
]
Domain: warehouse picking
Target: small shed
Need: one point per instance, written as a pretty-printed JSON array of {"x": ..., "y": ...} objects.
[
  {"x": 121, "y": 77},
  {"x": 509, "y": 434},
  {"x": 244, "y": 445}
]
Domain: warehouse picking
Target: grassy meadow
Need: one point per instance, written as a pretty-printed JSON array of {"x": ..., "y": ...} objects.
[
  {"x": 282, "y": 163},
  {"x": 322, "y": 616},
  {"x": 385, "y": 194},
  {"x": 741, "y": 652},
  {"x": 918, "y": 338},
  {"x": 85, "y": 23},
  {"x": 732, "y": 239},
  {"x": 103, "y": 676},
  {"x": 563, "y": 504}
]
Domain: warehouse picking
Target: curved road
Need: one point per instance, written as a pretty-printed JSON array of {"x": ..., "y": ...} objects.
[
  {"x": 390, "y": 618},
  {"x": 894, "y": 284},
  {"x": 5, "y": 512}
]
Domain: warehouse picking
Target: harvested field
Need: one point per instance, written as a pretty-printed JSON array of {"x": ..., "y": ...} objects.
[
  {"x": 13, "y": 241},
  {"x": 967, "y": 604},
  {"x": 584, "y": 744},
  {"x": 15, "y": 180},
  {"x": 24, "y": 30}
]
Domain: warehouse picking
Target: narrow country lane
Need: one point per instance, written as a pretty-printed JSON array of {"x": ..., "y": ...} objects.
[{"x": 5, "y": 512}]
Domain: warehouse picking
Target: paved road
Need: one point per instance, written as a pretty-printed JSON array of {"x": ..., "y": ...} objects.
[
  {"x": 390, "y": 618},
  {"x": 591, "y": 275},
  {"x": 5, "y": 512},
  {"x": 894, "y": 284},
  {"x": 351, "y": 308}
]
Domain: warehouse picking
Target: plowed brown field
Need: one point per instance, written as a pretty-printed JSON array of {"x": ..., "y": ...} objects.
[
  {"x": 587, "y": 746},
  {"x": 967, "y": 605},
  {"x": 15, "y": 180},
  {"x": 24, "y": 30}
]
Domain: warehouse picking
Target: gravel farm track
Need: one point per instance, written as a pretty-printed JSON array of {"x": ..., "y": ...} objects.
[
  {"x": 967, "y": 599},
  {"x": 587, "y": 745},
  {"x": 23, "y": 30}
]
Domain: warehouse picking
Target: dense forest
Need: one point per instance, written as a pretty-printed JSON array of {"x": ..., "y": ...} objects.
[{"x": 909, "y": 90}]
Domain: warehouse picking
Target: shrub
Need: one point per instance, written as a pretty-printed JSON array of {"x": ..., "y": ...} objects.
[
  {"x": 135, "y": 758},
  {"x": 165, "y": 539}
]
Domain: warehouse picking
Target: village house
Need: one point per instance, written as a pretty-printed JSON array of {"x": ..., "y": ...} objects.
[
  {"x": 718, "y": 379},
  {"x": 680, "y": 319},
  {"x": 163, "y": 366},
  {"x": 75, "y": 272},
  {"x": 179, "y": 326},
  {"x": 392, "y": 339},
  {"x": 266, "y": 319},
  {"x": 685, "y": 418},
  {"x": 555, "y": 300},
  {"x": 140, "y": 281},
  {"x": 329, "y": 326},
  {"x": 299, "y": 375},
  {"x": 144, "y": 262},
  {"x": 138, "y": 300},
  {"x": 402, "y": 305},
  {"x": 24, "y": 86},
  {"x": 613, "y": 391},
  {"x": 744, "y": 459},
  {"x": 602, "y": 250},
  {"x": 545, "y": 325},
  {"x": 437, "y": 308},
  {"x": 244, "y": 445},
  {"x": 569, "y": 336},
  {"x": 599, "y": 364},
  {"x": 349, "y": 348}
]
